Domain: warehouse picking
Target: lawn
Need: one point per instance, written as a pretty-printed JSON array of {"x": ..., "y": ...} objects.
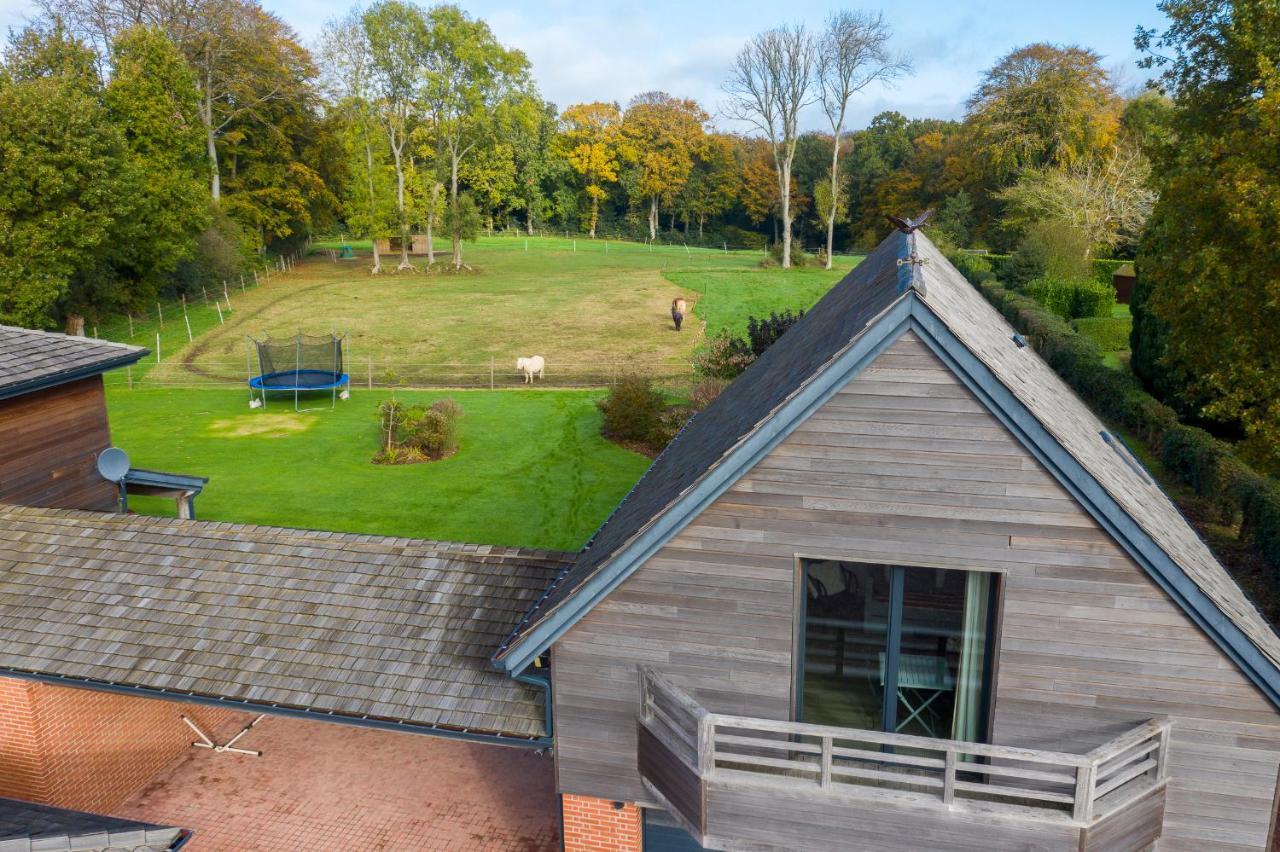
[
  {"x": 531, "y": 470},
  {"x": 727, "y": 297}
]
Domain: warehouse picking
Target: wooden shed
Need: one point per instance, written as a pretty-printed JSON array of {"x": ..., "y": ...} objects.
[
  {"x": 897, "y": 588},
  {"x": 419, "y": 244},
  {"x": 1123, "y": 280}
]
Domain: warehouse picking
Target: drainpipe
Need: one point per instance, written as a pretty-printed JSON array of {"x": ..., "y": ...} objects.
[{"x": 543, "y": 682}]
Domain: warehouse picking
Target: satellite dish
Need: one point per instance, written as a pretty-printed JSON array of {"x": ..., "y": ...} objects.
[{"x": 113, "y": 464}]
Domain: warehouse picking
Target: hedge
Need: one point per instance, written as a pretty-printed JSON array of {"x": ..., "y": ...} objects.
[
  {"x": 1197, "y": 459},
  {"x": 1111, "y": 334},
  {"x": 1104, "y": 269}
]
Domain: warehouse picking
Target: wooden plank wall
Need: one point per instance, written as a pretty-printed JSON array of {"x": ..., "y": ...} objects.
[
  {"x": 49, "y": 445},
  {"x": 905, "y": 465}
]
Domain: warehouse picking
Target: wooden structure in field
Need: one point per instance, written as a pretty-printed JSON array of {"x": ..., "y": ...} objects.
[
  {"x": 419, "y": 245},
  {"x": 897, "y": 588}
]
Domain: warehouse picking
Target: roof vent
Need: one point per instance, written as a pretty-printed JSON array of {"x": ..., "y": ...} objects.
[{"x": 1019, "y": 340}]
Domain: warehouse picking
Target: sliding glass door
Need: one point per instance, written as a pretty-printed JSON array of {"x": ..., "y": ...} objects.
[{"x": 896, "y": 648}]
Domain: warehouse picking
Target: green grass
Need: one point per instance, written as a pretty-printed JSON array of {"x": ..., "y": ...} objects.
[
  {"x": 726, "y": 298},
  {"x": 587, "y": 310},
  {"x": 531, "y": 470}
]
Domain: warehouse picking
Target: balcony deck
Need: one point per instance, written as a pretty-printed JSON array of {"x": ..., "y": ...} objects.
[{"x": 742, "y": 783}]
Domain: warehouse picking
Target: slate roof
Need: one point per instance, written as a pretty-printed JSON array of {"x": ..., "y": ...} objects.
[
  {"x": 26, "y": 827},
  {"x": 30, "y": 360},
  {"x": 356, "y": 625},
  {"x": 800, "y": 356}
]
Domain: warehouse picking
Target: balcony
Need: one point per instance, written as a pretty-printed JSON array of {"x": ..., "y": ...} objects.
[{"x": 737, "y": 782}]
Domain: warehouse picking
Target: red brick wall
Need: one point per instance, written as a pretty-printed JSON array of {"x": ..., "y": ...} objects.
[
  {"x": 91, "y": 750},
  {"x": 595, "y": 825}
]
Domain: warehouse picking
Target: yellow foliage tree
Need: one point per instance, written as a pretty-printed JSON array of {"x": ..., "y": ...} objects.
[
  {"x": 588, "y": 141},
  {"x": 659, "y": 137}
]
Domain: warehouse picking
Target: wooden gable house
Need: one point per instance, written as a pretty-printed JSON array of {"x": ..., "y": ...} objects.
[{"x": 898, "y": 588}]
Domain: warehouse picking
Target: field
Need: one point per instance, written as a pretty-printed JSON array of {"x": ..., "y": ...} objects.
[{"x": 532, "y": 469}]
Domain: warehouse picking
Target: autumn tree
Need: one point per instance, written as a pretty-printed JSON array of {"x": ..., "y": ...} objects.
[
  {"x": 1208, "y": 259},
  {"x": 771, "y": 82},
  {"x": 853, "y": 53},
  {"x": 589, "y": 142},
  {"x": 347, "y": 59},
  {"x": 714, "y": 181},
  {"x": 1106, "y": 198},
  {"x": 398, "y": 37},
  {"x": 469, "y": 74},
  {"x": 658, "y": 138},
  {"x": 1043, "y": 105}
]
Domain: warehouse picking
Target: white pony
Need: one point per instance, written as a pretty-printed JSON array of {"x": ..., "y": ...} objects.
[{"x": 531, "y": 367}]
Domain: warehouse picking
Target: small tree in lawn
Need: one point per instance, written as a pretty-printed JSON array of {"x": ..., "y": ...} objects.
[{"x": 852, "y": 54}]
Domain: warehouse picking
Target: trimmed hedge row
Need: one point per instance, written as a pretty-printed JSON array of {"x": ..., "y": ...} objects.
[
  {"x": 1111, "y": 334},
  {"x": 1202, "y": 462},
  {"x": 1103, "y": 269}
]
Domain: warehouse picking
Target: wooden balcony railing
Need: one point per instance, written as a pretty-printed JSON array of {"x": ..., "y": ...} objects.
[{"x": 683, "y": 747}]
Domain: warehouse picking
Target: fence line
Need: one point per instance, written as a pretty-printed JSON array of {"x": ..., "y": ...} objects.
[{"x": 369, "y": 374}]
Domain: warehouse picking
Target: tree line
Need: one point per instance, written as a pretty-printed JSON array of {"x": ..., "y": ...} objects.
[{"x": 152, "y": 146}]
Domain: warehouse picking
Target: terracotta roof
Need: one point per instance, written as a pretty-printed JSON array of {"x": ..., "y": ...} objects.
[
  {"x": 355, "y": 625},
  {"x": 846, "y": 314},
  {"x": 30, "y": 360},
  {"x": 27, "y": 827}
]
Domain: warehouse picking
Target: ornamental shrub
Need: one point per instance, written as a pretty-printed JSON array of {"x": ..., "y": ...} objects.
[
  {"x": 1073, "y": 298},
  {"x": 763, "y": 333},
  {"x": 633, "y": 413},
  {"x": 724, "y": 357}
]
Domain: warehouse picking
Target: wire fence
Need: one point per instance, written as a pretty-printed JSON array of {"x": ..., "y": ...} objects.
[{"x": 370, "y": 373}]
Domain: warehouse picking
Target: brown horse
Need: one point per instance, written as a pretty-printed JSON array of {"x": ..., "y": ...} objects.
[{"x": 678, "y": 310}]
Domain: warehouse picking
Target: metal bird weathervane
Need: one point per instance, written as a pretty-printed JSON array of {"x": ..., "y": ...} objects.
[
  {"x": 913, "y": 260},
  {"x": 910, "y": 226}
]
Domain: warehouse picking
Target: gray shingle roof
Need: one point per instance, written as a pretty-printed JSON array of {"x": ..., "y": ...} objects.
[
  {"x": 26, "y": 827},
  {"x": 799, "y": 356},
  {"x": 34, "y": 359},
  {"x": 392, "y": 628}
]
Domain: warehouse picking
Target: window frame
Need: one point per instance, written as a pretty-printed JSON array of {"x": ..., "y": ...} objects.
[{"x": 995, "y": 627}]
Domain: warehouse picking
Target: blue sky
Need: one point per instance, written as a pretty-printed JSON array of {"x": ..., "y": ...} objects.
[{"x": 613, "y": 50}]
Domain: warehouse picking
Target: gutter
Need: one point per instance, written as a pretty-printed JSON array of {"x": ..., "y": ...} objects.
[
  {"x": 543, "y": 682},
  {"x": 310, "y": 714}
]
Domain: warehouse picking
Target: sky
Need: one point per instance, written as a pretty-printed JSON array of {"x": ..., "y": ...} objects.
[{"x": 613, "y": 50}]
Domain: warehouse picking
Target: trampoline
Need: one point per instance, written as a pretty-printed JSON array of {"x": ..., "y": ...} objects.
[{"x": 302, "y": 364}]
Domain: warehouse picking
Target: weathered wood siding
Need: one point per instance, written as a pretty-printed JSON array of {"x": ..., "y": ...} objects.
[
  {"x": 49, "y": 444},
  {"x": 904, "y": 464}
]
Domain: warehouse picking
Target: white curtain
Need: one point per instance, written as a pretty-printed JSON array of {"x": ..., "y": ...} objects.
[{"x": 973, "y": 652}]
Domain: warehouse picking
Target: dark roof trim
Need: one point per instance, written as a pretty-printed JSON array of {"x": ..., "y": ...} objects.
[
  {"x": 767, "y": 434},
  {"x": 308, "y": 713},
  {"x": 1104, "y": 509},
  {"x": 83, "y": 372}
]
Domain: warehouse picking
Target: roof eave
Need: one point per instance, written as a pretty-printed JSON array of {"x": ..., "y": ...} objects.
[
  {"x": 83, "y": 372},
  {"x": 1097, "y": 501}
]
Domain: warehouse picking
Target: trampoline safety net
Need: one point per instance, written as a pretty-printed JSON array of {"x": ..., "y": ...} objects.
[{"x": 306, "y": 361}]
